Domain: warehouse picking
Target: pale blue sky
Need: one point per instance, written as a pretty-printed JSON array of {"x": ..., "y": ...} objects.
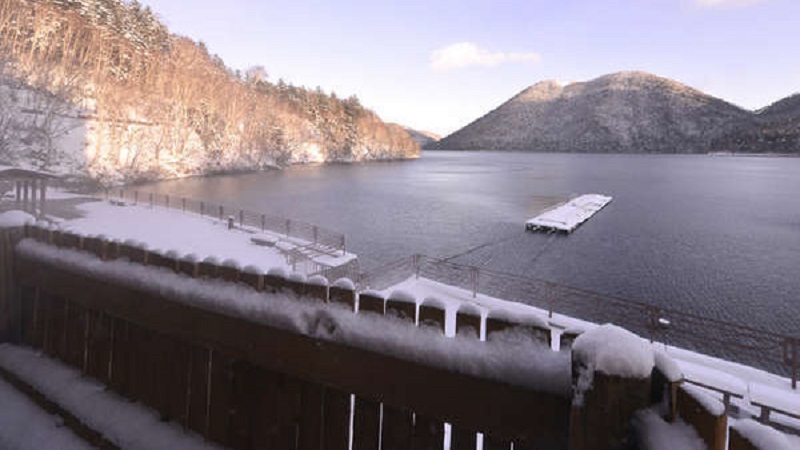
[{"x": 439, "y": 64}]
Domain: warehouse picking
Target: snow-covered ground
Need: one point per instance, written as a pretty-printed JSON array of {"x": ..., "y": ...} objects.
[
  {"x": 25, "y": 426},
  {"x": 570, "y": 215},
  {"x": 127, "y": 425},
  {"x": 164, "y": 229}
]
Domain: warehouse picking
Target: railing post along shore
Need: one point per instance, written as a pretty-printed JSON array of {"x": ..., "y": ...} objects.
[
  {"x": 151, "y": 200},
  {"x": 135, "y": 197},
  {"x": 183, "y": 204}
]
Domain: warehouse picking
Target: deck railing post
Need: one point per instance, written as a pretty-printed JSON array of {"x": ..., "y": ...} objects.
[
  {"x": 166, "y": 200},
  {"x": 183, "y": 204},
  {"x": 241, "y": 218},
  {"x": 221, "y": 212},
  {"x": 202, "y": 208},
  {"x": 288, "y": 227},
  {"x": 315, "y": 234},
  {"x": 263, "y": 223},
  {"x": 135, "y": 197},
  {"x": 151, "y": 200},
  {"x": 122, "y": 194},
  {"x": 344, "y": 245}
]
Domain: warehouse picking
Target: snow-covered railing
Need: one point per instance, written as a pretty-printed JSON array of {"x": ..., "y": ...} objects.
[
  {"x": 319, "y": 238},
  {"x": 171, "y": 331},
  {"x": 775, "y": 352},
  {"x": 228, "y": 351}
]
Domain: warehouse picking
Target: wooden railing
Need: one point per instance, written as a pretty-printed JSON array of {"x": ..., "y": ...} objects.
[
  {"x": 247, "y": 384},
  {"x": 775, "y": 352},
  {"x": 241, "y": 379}
]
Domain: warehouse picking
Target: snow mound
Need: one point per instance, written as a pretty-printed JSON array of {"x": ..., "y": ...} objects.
[
  {"x": 318, "y": 280},
  {"x": 345, "y": 283},
  {"x": 614, "y": 351},
  {"x": 190, "y": 258},
  {"x": 253, "y": 270},
  {"x": 668, "y": 367},
  {"x": 763, "y": 436},
  {"x": 655, "y": 433},
  {"x": 231, "y": 264},
  {"x": 279, "y": 272},
  {"x": 211, "y": 260},
  {"x": 297, "y": 277},
  {"x": 15, "y": 218}
]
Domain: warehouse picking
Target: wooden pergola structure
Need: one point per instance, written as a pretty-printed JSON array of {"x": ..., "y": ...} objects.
[{"x": 30, "y": 187}]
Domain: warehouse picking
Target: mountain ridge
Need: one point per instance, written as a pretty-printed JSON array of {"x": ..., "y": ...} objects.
[{"x": 623, "y": 112}]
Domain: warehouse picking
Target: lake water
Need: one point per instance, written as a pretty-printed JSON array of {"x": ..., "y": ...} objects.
[{"x": 718, "y": 236}]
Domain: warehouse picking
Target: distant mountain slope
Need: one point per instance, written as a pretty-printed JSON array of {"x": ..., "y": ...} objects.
[
  {"x": 625, "y": 112},
  {"x": 101, "y": 88},
  {"x": 423, "y": 138},
  {"x": 776, "y": 129}
]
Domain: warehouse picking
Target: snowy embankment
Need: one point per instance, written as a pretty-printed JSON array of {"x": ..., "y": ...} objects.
[
  {"x": 516, "y": 361},
  {"x": 570, "y": 215},
  {"x": 163, "y": 230},
  {"x": 125, "y": 424}
]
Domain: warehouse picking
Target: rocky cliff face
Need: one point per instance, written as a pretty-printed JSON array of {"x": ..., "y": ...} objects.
[{"x": 626, "y": 112}]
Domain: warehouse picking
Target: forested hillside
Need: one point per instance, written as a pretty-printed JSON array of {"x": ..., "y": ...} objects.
[
  {"x": 102, "y": 88},
  {"x": 625, "y": 112}
]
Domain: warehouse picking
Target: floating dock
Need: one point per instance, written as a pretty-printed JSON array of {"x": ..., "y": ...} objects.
[{"x": 568, "y": 216}]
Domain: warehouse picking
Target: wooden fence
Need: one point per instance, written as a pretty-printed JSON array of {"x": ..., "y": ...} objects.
[
  {"x": 248, "y": 385},
  {"x": 245, "y": 384}
]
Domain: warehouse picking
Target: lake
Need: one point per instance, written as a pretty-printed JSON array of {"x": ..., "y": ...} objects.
[{"x": 718, "y": 236}]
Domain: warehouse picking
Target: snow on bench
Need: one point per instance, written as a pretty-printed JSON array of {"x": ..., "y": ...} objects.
[{"x": 568, "y": 216}]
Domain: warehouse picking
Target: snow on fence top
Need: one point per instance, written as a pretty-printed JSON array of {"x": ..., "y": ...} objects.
[
  {"x": 570, "y": 215},
  {"x": 614, "y": 351},
  {"x": 10, "y": 219},
  {"x": 668, "y": 367},
  {"x": 516, "y": 363},
  {"x": 763, "y": 437},
  {"x": 708, "y": 402}
]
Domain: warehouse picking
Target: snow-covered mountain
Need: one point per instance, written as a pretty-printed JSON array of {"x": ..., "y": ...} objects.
[{"x": 626, "y": 112}]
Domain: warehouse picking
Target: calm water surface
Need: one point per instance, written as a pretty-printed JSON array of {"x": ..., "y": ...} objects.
[{"x": 719, "y": 236}]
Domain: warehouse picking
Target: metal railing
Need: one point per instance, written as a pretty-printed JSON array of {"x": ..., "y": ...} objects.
[
  {"x": 313, "y": 237},
  {"x": 765, "y": 349}
]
